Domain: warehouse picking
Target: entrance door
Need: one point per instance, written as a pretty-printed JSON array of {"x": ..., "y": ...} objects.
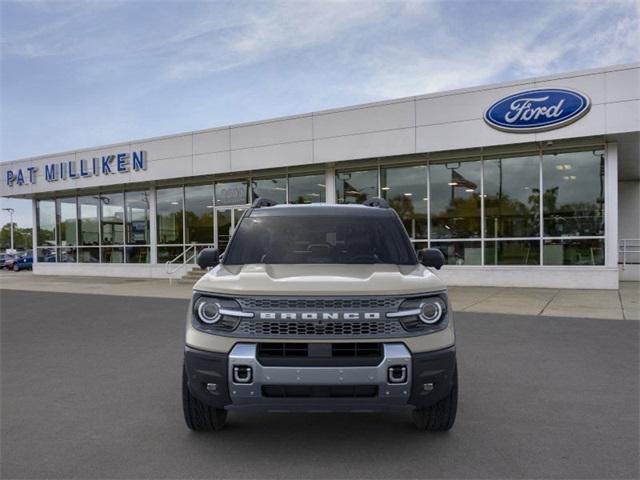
[{"x": 226, "y": 220}]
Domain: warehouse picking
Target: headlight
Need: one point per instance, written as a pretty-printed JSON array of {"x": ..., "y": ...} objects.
[
  {"x": 208, "y": 311},
  {"x": 421, "y": 314},
  {"x": 216, "y": 314},
  {"x": 431, "y": 310}
]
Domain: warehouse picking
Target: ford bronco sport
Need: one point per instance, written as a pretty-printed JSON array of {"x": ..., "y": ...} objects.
[{"x": 320, "y": 308}]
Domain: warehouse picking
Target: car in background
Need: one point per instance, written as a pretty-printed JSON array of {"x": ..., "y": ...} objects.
[
  {"x": 7, "y": 260},
  {"x": 23, "y": 262}
]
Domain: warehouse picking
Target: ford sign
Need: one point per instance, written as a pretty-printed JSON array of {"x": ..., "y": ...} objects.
[{"x": 537, "y": 110}]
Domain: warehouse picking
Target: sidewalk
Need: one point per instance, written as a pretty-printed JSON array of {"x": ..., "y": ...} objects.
[{"x": 607, "y": 304}]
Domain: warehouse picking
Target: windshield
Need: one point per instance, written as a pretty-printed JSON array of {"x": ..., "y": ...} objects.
[{"x": 302, "y": 239}]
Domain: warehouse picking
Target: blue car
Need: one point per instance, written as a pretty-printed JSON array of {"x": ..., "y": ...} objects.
[{"x": 23, "y": 262}]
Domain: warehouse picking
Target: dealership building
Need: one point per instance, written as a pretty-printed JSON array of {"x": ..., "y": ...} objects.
[{"x": 529, "y": 183}]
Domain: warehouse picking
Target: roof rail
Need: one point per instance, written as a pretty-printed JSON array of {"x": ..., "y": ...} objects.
[
  {"x": 263, "y": 202},
  {"x": 376, "y": 202}
]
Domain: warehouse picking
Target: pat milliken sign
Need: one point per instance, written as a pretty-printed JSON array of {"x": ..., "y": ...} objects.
[
  {"x": 105, "y": 165},
  {"x": 537, "y": 110}
]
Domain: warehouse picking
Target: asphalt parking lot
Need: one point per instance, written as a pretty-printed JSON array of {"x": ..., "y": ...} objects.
[{"x": 91, "y": 389}]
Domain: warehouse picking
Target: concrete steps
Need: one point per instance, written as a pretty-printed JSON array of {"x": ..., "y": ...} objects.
[{"x": 191, "y": 276}]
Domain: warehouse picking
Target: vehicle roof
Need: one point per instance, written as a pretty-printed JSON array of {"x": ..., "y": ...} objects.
[{"x": 321, "y": 209}]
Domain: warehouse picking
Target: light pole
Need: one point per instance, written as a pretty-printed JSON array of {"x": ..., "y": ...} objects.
[{"x": 11, "y": 212}]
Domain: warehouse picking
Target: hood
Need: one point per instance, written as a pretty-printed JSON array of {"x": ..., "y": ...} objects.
[{"x": 261, "y": 279}]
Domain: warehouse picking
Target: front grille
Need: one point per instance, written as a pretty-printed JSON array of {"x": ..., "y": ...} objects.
[
  {"x": 320, "y": 391},
  {"x": 281, "y": 350},
  {"x": 342, "y": 350},
  {"x": 319, "y": 303},
  {"x": 256, "y": 328},
  {"x": 319, "y": 354},
  {"x": 357, "y": 350}
]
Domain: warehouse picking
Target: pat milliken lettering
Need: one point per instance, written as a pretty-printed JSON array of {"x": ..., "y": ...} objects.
[{"x": 104, "y": 165}]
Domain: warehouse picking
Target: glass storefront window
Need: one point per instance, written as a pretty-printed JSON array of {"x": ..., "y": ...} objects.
[
  {"x": 573, "y": 252},
  {"x": 573, "y": 198},
  {"x": 405, "y": 188},
  {"x": 232, "y": 193},
  {"x": 46, "y": 218},
  {"x": 89, "y": 255},
  {"x": 137, "y": 218},
  {"x": 272, "y": 188},
  {"x": 307, "y": 188},
  {"x": 356, "y": 187},
  {"x": 67, "y": 254},
  {"x": 169, "y": 208},
  {"x": 88, "y": 227},
  {"x": 460, "y": 253},
  {"x": 198, "y": 213},
  {"x": 512, "y": 252},
  {"x": 112, "y": 255},
  {"x": 47, "y": 254},
  {"x": 137, "y": 254},
  {"x": 512, "y": 197},
  {"x": 112, "y": 218},
  {"x": 455, "y": 199},
  {"x": 166, "y": 254},
  {"x": 67, "y": 221}
]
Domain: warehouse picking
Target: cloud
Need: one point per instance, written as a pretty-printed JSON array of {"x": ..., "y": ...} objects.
[
  {"x": 525, "y": 48},
  {"x": 259, "y": 36}
]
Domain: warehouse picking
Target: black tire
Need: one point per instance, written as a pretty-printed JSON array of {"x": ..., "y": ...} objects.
[
  {"x": 440, "y": 416},
  {"x": 199, "y": 416}
]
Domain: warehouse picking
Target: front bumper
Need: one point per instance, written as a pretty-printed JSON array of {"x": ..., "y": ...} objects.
[{"x": 212, "y": 379}]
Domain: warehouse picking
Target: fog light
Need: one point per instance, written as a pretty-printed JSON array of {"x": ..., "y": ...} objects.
[
  {"x": 397, "y": 374},
  {"x": 242, "y": 374},
  {"x": 212, "y": 387}
]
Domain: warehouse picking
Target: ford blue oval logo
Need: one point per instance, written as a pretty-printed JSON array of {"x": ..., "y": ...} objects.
[{"x": 537, "y": 110}]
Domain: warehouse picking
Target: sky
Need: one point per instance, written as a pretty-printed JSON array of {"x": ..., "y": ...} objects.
[{"x": 87, "y": 73}]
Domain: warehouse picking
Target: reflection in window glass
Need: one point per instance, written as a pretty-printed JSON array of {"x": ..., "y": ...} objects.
[
  {"x": 47, "y": 254},
  {"x": 166, "y": 254},
  {"x": 89, "y": 255},
  {"x": 112, "y": 255},
  {"x": 574, "y": 252},
  {"x": 573, "y": 198},
  {"x": 88, "y": 221},
  {"x": 169, "y": 207},
  {"x": 512, "y": 197},
  {"x": 112, "y": 205},
  {"x": 455, "y": 200},
  {"x": 272, "y": 188},
  {"x": 46, "y": 222},
  {"x": 137, "y": 254},
  {"x": 198, "y": 213},
  {"x": 307, "y": 188},
  {"x": 405, "y": 188},
  {"x": 460, "y": 253},
  {"x": 67, "y": 213},
  {"x": 512, "y": 252},
  {"x": 356, "y": 187},
  {"x": 67, "y": 254},
  {"x": 232, "y": 193},
  {"x": 137, "y": 218}
]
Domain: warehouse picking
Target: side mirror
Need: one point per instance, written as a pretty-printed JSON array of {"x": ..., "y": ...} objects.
[
  {"x": 208, "y": 258},
  {"x": 431, "y": 257}
]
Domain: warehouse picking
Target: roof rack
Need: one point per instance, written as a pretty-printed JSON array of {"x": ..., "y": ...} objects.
[
  {"x": 263, "y": 202},
  {"x": 376, "y": 202}
]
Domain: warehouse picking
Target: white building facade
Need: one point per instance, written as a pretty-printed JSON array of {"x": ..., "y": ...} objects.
[{"x": 531, "y": 183}]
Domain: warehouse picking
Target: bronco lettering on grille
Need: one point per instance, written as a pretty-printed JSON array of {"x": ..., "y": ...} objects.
[{"x": 319, "y": 316}]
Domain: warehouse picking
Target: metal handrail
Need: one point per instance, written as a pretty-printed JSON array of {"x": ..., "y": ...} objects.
[
  {"x": 628, "y": 245},
  {"x": 186, "y": 260}
]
